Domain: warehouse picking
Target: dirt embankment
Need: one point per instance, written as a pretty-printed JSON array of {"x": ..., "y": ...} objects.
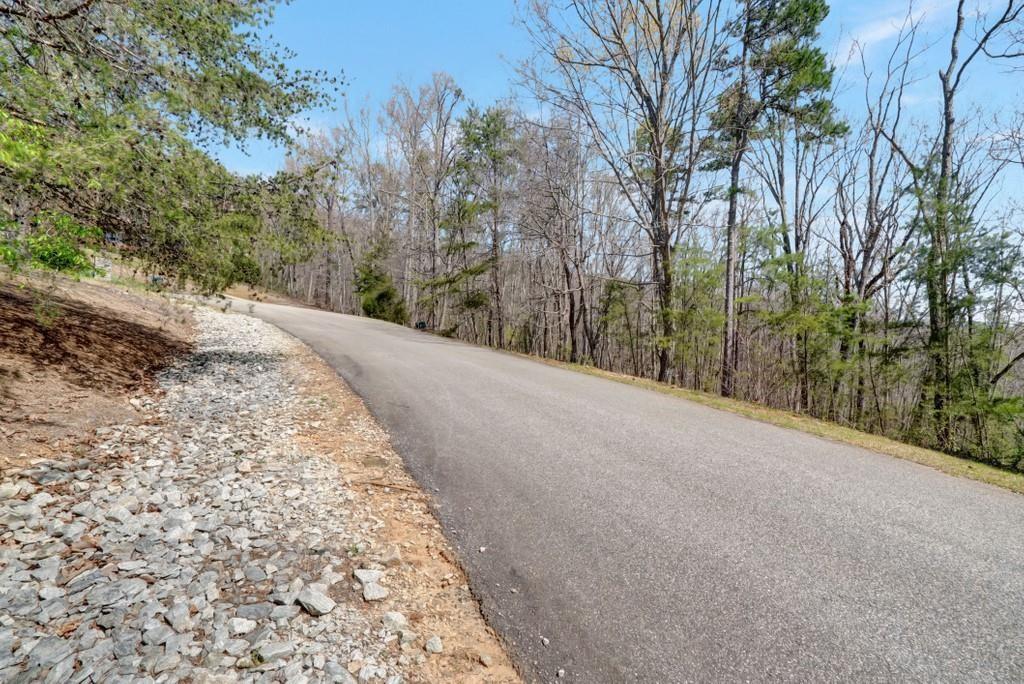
[
  {"x": 70, "y": 353},
  {"x": 75, "y": 357}
]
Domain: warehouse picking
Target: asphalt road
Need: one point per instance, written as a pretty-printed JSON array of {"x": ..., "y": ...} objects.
[{"x": 656, "y": 540}]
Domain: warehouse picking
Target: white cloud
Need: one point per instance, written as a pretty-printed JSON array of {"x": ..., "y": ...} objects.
[{"x": 878, "y": 31}]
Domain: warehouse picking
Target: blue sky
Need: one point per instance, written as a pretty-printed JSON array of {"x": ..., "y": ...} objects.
[{"x": 379, "y": 43}]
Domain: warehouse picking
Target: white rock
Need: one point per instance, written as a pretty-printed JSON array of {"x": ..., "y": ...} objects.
[
  {"x": 239, "y": 625},
  {"x": 374, "y": 592},
  {"x": 394, "y": 621},
  {"x": 433, "y": 645}
]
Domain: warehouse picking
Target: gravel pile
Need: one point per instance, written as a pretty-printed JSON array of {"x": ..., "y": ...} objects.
[{"x": 202, "y": 545}]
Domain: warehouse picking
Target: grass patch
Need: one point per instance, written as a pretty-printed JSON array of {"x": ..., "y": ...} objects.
[{"x": 951, "y": 465}]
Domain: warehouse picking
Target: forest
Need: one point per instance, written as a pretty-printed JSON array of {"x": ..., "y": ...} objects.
[
  {"x": 700, "y": 192},
  {"x": 673, "y": 191}
]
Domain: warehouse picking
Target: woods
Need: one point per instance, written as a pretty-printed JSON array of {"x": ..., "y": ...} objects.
[
  {"x": 696, "y": 192},
  {"x": 701, "y": 192}
]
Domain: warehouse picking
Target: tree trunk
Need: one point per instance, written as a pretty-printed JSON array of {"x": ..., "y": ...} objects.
[{"x": 729, "y": 360}]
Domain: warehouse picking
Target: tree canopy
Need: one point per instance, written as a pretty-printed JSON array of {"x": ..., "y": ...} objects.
[{"x": 106, "y": 107}]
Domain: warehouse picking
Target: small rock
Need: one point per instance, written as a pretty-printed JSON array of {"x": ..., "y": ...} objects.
[
  {"x": 272, "y": 650},
  {"x": 178, "y": 617},
  {"x": 433, "y": 645},
  {"x": 315, "y": 603},
  {"x": 374, "y": 592},
  {"x": 255, "y": 611},
  {"x": 118, "y": 514},
  {"x": 392, "y": 556},
  {"x": 366, "y": 576},
  {"x": 394, "y": 621},
  {"x": 48, "y": 592},
  {"x": 255, "y": 573},
  {"x": 157, "y": 635},
  {"x": 239, "y": 625},
  {"x": 236, "y": 647},
  {"x": 49, "y": 651}
]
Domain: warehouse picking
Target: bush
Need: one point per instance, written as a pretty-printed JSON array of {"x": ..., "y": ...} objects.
[{"x": 378, "y": 295}]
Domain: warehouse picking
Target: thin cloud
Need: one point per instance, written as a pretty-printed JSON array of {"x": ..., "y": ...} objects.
[{"x": 877, "y": 32}]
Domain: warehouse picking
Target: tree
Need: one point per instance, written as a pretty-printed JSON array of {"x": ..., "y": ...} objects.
[
  {"x": 425, "y": 129},
  {"x": 833, "y": 232},
  {"x": 944, "y": 201},
  {"x": 640, "y": 75},
  {"x": 488, "y": 150},
  {"x": 103, "y": 102},
  {"x": 777, "y": 69},
  {"x": 377, "y": 294}
]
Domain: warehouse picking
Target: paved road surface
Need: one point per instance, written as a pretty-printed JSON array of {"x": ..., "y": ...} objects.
[{"x": 655, "y": 540}]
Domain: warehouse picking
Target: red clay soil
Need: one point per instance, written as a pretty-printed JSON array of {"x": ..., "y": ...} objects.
[{"x": 70, "y": 354}]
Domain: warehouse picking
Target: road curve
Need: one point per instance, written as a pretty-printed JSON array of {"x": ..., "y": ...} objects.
[{"x": 633, "y": 536}]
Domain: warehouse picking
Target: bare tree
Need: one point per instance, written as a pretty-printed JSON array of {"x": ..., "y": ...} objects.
[{"x": 640, "y": 74}]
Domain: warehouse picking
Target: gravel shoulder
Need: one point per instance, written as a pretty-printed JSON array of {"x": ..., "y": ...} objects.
[{"x": 250, "y": 523}]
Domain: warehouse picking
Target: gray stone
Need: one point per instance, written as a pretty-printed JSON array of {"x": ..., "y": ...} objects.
[
  {"x": 337, "y": 674},
  {"x": 157, "y": 635},
  {"x": 374, "y": 592},
  {"x": 47, "y": 570},
  {"x": 315, "y": 603},
  {"x": 366, "y": 576},
  {"x": 166, "y": 662},
  {"x": 105, "y": 594},
  {"x": 178, "y": 617},
  {"x": 125, "y": 641},
  {"x": 118, "y": 514},
  {"x": 255, "y": 611},
  {"x": 272, "y": 650},
  {"x": 255, "y": 573},
  {"x": 236, "y": 647},
  {"x": 50, "y": 592},
  {"x": 49, "y": 651},
  {"x": 284, "y": 612}
]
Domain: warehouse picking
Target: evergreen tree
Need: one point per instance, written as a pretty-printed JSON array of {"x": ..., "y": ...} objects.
[
  {"x": 378, "y": 296},
  {"x": 777, "y": 68}
]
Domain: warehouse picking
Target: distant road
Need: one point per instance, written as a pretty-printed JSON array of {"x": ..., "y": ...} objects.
[{"x": 651, "y": 539}]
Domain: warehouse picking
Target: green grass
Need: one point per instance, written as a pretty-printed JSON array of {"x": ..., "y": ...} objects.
[{"x": 951, "y": 465}]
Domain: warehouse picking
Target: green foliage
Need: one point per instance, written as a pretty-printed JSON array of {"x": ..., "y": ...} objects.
[
  {"x": 488, "y": 147},
  {"x": 378, "y": 296},
  {"x": 58, "y": 243},
  {"x": 697, "y": 310},
  {"x": 483, "y": 166},
  {"x": 53, "y": 241},
  {"x": 779, "y": 71},
  {"x": 106, "y": 137}
]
